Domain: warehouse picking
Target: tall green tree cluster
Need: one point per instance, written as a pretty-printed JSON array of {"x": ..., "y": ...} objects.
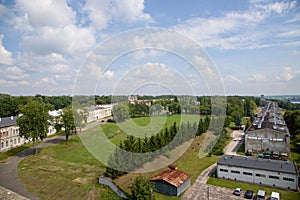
[
  {"x": 34, "y": 122},
  {"x": 292, "y": 119},
  {"x": 120, "y": 112},
  {"x": 142, "y": 189},
  {"x": 158, "y": 144}
]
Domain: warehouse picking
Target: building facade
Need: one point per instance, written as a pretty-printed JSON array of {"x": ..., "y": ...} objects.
[
  {"x": 99, "y": 112},
  {"x": 268, "y": 132},
  {"x": 171, "y": 182},
  {"x": 9, "y": 134},
  {"x": 274, "y": 173}
]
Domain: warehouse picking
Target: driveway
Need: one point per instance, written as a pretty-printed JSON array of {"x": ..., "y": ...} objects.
[{"x": 235, "y": 143}]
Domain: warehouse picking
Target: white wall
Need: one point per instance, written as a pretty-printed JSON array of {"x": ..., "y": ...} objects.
[{"x": 279, "y": 183}]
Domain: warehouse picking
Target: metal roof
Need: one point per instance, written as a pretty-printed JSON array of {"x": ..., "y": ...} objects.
[
  {"x": 174, "y": 177},
  {"x": 8, "y": 121},
  {"x": 259, "y": 163}
]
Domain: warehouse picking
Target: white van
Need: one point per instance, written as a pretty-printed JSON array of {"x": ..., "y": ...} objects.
[
  {"x": 275, "y": 196},
  {"x": 261, "y": 194}
]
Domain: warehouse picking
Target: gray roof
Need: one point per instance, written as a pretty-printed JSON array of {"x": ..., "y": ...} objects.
[
  {"x": 259, "y": 163},
  {"x": 8, "y": 121}
]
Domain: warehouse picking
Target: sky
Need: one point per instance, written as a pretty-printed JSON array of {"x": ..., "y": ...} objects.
[{"x": 253, "y": 46}]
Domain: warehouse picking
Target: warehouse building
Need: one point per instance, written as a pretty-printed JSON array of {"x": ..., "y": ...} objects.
[
  {"x": 268, "y": 133},
  {"x": 274, "y": 173}
]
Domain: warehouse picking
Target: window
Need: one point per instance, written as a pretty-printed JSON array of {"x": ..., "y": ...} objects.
[
  {"x": 261, "y": 175},
  {"x": 2, "y": 144},
  {"x": 235, "y": 172},
  {"x": 288, "y": 179},
  {"x": 247, "y": 173},
  {"x": 15, "y": 141},
  {"x": 18, "y": 140},
  {"x": 274, "y": 177},
  {"x": 6, "y": 143},
  {"x": 224, "y": 170}
]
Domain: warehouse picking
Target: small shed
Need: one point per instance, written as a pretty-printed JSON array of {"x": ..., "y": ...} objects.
[{"x": 171, "y": 182}]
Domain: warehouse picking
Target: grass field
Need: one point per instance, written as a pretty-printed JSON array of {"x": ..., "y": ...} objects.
[
  {"x": 144, "y": 126},
  {"x": 285, "y": 194},
  {"x": 64, "y": 171}
]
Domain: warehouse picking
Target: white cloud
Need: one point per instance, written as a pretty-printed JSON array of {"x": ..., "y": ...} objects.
[
  {"x": 46, "y": 81},
  {"x": 287, "y": 74},
  {"x": 102, "y": 13},
  {"x": 257, "y": 77},
  {"x": 52, "y": 13},
  {"x": 14, "y": 70},
  {"x": 238, "y": 29},
  {"x": 5, "y": 55},
  {"x": 232, "y": 79},
  {"x": 68, "y": 39},
  {"x": 108, "y": 74},
  {"x": 60, "y": 68}
]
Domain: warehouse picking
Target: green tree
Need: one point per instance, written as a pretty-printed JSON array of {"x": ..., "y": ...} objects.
[
  {"x": 34, "y": 122},
  {"x": 142, "y": 189},
  {"x": 68, "y": 121},
  {"x": 120, "y": 112}
]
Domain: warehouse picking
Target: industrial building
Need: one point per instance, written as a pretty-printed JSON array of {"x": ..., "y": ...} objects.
[
  {"x": 268, "y": 133},
  {"x": 171, "y": 182},
  {"x": 274, "y": 173}
]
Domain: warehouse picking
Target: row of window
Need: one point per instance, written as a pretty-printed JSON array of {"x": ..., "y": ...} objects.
[
  {"x": 258, "y": 175},
  {"x": 11, "y": 141}
]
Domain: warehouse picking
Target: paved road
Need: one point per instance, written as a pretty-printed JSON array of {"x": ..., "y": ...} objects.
[
  {"x": 234, "y": 145},
  {"x": 202, "y": 191},
  {"x": 9, "y": 168}
]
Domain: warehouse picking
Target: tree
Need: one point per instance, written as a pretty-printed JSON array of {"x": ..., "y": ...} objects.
[
  {"x": 68, "y": 121},
  {"x": 142, "y": 189},
  {"x": 120, "y": 112},
  {"x": 34, "y": 122}
]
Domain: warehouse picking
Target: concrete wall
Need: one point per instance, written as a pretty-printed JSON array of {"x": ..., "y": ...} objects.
[
  {"x": 184, "y": 186},
  {"x": 165, "y": 188},
  {"x": 263, "y": 179}
]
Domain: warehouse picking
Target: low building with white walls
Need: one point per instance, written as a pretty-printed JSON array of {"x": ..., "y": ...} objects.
[
  {"x": 9, "y": 134},
  {"x": 99, "y": 112},
  {"x": 273, "y": 173}
]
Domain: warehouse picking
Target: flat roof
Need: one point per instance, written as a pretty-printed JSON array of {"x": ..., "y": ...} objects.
[
  {"x": 174, "y": 177},
  {"x": 258, "y": 163}
]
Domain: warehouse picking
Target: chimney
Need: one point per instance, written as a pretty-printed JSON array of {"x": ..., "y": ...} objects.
[
  {"x": 172, "y": 167},
  {"x": 12, "y": 117}
]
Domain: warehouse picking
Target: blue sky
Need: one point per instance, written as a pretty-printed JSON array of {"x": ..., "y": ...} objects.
[{"x": 254, "y": 45}]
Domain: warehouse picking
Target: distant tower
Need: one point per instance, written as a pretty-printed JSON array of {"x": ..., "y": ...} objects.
[{"x": 263, "y": 100}]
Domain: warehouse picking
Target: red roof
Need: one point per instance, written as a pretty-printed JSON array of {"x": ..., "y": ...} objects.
[{"x": 174, "y": 177}]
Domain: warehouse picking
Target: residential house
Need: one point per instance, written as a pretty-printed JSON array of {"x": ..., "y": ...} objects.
[{"x": 9, "y": 134}]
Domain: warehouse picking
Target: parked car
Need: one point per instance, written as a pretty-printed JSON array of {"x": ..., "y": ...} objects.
[
  {"x": 275, "y": 196},
  {"x": 248, "y": 194},
  {"x": 238, "y": 191},
  {"x": 261, "y": 195}
]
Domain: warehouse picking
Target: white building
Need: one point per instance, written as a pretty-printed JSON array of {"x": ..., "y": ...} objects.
[
  {"x": 53, "y": 114},
  {"x": 274, "y": 173},
  {"x": 9, "y": 134},
  {"x": 99, "y": 112}
]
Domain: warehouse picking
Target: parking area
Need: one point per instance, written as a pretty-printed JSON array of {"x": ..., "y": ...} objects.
[{"x": 200, "y": 191}]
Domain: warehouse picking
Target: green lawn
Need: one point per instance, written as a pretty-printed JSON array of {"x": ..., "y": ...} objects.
[
  {"x": 295, "y": 153},
  {"x": 64, "y": 171},
  {"x": 285, "y": 194},
  {"x": 143, "y": 126},
  {"x": 14, "y": 151}
]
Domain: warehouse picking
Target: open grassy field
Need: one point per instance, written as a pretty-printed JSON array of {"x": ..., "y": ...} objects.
[
  {"x": 64, "y": 171},
  {"x": 285, "y": 194},
  {"x": 143, "y": 126}
]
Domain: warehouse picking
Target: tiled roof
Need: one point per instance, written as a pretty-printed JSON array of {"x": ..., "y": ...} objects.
[
  {"x": 174, "y": 177},
  {"x": 258, "y": 163},
  {"x": 8, "y": 121}
]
